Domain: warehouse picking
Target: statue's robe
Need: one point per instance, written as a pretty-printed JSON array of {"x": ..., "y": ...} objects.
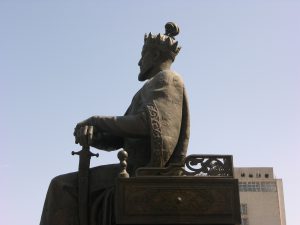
[{"x": 154, "y": 131}]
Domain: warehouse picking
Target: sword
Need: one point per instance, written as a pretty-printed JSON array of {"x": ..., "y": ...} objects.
[{"x": 83, "y": 183}]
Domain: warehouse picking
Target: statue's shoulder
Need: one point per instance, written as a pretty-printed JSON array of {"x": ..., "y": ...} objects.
[{"x": 169, "y": 77}]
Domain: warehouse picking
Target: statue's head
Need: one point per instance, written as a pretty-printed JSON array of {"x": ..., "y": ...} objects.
[{"x": 157, "y": 50}]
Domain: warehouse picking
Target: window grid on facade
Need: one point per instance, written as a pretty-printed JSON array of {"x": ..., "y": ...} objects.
[
  {"x": 243, "y": 209},
  {"x": 245, "y": 221},
  {"x": 257, "y": 186}
]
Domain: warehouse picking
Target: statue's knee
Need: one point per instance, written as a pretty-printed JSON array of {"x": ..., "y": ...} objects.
[
  {"x": 57, "y": 181},
  {"x": 68, "y": 180}
]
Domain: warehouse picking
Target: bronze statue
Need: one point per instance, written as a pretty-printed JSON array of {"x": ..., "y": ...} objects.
[{"x": 154, "y": 131}]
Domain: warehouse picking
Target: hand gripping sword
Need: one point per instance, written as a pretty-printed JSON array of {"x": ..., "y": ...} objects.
[{"x": 83, "y": 183}]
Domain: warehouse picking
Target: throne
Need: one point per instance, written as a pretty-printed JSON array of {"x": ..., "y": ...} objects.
[{"x": 200, "y": 191}]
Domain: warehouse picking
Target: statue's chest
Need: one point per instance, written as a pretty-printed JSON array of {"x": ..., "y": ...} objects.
[{"x": 141, "y": 98}]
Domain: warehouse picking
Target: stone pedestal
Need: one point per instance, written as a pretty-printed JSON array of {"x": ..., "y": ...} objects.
[{"x": 177, "y": 200}]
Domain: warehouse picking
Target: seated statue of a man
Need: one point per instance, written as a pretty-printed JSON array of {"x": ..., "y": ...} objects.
[{"x": 154, "y": 131}]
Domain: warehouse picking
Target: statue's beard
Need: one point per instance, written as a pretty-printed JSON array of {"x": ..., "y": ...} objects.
[{"x": 145, "y": 73}]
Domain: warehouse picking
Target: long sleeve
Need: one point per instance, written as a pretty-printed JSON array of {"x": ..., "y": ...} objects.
[
  {"x": 123, "y": 126},
  {"x": 111, "y": 131}
]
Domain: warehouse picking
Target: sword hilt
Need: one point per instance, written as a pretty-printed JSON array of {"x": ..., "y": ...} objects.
[{"x": 85, "y": 150}]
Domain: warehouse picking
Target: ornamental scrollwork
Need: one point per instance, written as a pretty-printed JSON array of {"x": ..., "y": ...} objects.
[
  {"x": 208, "y": 165},
  {"x": 194, "y": 165}
]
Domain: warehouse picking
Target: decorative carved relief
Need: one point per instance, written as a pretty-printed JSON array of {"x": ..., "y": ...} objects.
[
  {"x": 194, "y": 165},
  {"x": 208, "y": 165}
]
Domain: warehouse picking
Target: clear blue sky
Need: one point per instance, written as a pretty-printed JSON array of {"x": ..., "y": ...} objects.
[{"x": 63, "y": 61}]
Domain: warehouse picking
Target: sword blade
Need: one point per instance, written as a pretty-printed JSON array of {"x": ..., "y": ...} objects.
[{"x": 83, "y": 183}]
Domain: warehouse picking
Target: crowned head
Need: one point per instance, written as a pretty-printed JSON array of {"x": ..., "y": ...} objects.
[
  {"x": 164, "y": 42},
  {"x": 159, "y": 52}
]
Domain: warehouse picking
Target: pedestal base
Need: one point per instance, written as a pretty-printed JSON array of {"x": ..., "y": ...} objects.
[{"x": 177, "y": 200}]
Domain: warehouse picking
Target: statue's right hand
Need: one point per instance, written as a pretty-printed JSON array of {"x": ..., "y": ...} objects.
[{"x": 83, "y": 135}]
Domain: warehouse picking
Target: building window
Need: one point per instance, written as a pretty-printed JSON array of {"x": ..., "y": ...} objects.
[
  {"x": 243, "y": 209},
  {"x": 257, "y": 186},
  {"x": 266, "y": 175},
  {"x": 251, "y": 186},
  {"x": 243, "y": 186},
  {"x": 245, "y": 221},
  {"x": 251, "y": 175},
  {"x": 268, "y": 187},
  {"x": 243, "y": 175}
]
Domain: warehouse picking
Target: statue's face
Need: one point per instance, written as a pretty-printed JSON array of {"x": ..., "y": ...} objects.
[{"x": 146, "y": 64}]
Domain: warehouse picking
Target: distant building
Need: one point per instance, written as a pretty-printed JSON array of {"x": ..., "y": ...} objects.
[{"x": 261, "y": 196}]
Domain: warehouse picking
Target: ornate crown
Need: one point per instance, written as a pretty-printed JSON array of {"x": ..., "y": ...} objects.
[{"x": 165, "y": 42}]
